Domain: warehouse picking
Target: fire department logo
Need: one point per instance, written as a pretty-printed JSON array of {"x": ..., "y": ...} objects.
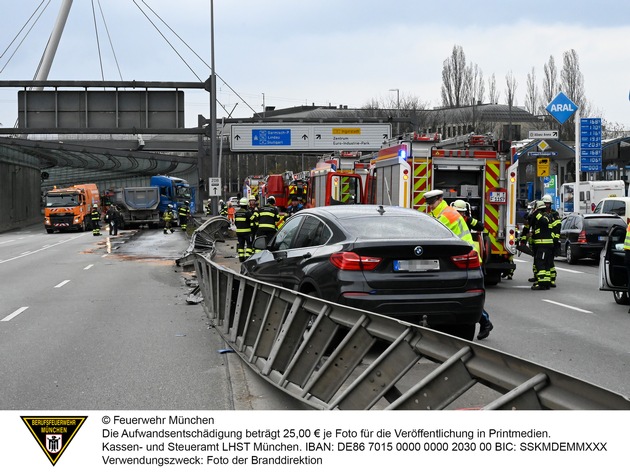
[{"x": 53, "y": 434}]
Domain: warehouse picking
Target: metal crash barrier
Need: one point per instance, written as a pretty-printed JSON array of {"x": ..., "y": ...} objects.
[{"x": 331, "y": 356}]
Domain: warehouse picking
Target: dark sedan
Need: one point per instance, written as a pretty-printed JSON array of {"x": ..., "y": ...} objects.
[
  {"x": 584, "y": 235},
  {"x": 389, "y": 260}
]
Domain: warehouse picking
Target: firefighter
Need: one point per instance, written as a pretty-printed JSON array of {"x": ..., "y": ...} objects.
[
  {"x": 451, "y": 218},
  {"x": 96, "y": 220},
  {"x": 526, "y": 237},
  {"x": 268, "y": 219},
  {"x": 464, "y": 209},
  {"x": 223, "y": 210},
  {"x": 554, "y": 224},
  {"x": 169, "y": 216},
  {"x": 243, "y": 222},
  {"x": 543, "y": 243},
  {"x": 184, "y": 213}
]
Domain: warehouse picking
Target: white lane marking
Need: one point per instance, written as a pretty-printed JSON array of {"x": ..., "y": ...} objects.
[
  {"x": 569, "y": 270},
  {"x": 25, "y": 253},
  {"x": 88, "y": 267},
  {"x": 62, "y": 283},
  {"x": 41, "y": 249},
  {"x": 7, "y": 241},
  {"x": 14, "y": 314},
  {"x": 568, "y": 306}
]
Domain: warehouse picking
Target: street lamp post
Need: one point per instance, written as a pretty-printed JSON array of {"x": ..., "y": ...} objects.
[{"x": 397, "y": 109}]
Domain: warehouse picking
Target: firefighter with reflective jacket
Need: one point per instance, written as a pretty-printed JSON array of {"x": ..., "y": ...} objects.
[
  {"x": 554, "y": 224},
  {"x": 96, "y": 221},
  {"x": 184, "y": 213},
  {"x": 244, "y": 223},
  {"x": 168, "y": 217},
  {"x": 543, "y": 243},
  {"x": 268, "y": 219},
  {"x": 527, "y": 238},
  {"x": 451, "y": 218}
]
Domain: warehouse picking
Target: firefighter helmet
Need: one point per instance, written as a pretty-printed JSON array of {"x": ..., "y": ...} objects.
[
  {"x": 94, "y": 206},
  {"x": 271, "y": 200},
  {"x": 460, "y": 205},
  {"x": 540, "y": 205},
  {"x": 243, "y": 202},
  {"x": 547, "y": 199}
]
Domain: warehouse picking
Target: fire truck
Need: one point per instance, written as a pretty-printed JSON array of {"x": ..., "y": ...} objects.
[
  {"x": 251, "y": 186},
  {"x": 283, "y": 187},
  {"x": 466, "y": 168},
  {"x": 329, "y": 185}
]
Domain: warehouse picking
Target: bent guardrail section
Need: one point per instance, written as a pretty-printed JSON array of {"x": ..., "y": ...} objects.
[{"x": 331, "y": 356}]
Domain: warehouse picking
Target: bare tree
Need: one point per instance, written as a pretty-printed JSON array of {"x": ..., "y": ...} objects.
[
  {"x": 510, "y": 93},
  {"x": 492, "y": 89},
  {"x": 572, "y": 82},
  {"x": 456, "y": 79},
  {"x": 550, "y": 81},
  {"x": 478, "y": 86}
]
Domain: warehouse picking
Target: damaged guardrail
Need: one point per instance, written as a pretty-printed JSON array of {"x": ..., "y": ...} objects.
[{"x": 331, "y": 356}]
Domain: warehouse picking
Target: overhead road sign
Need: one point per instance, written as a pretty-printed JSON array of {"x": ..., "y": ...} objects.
[
  {"x": 264, "y": 137},
  {"x": 561, "y": 108},
  {"x": 542, "y": 134}
]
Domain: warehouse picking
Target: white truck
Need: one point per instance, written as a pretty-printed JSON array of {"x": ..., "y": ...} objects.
[{"x": 591, "y": 192}]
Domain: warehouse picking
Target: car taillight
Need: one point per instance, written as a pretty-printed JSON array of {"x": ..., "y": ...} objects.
[
  {"x": 582, "y": 237},
  {"x": 469, "y": 261},
  {"x": 349, "y": 261}
]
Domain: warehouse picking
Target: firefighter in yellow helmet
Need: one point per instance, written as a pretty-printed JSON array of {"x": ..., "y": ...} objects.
[
  {"x": 451, "y": 217},
  {"x": 244, "y": 231},
  {"x": 96, "y": 220},
  {"x": 554, "y": 224}
]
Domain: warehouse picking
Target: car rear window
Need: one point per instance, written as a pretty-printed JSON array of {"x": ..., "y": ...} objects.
[{"x": 396, "y": 227}]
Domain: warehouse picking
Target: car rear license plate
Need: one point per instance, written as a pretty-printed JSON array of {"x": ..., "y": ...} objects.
[
  {"x": 417, "y": 265},
  {"x": 602, "y": 238}
]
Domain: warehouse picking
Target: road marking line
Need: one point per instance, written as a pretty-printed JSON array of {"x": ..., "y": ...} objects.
[
  {"x": 62, "y": 283},
  {"x": 41, "y": 249},
  {"x": 14, "y": 314},
  {"x": 88, "y": 267},
  {"x": 568, "y": 306},
  {"x": 569, "y": 270},
  {"x": 7, "y": 241}
]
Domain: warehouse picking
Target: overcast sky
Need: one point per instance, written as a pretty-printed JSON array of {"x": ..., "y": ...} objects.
[{"x": 297, "y": 52}]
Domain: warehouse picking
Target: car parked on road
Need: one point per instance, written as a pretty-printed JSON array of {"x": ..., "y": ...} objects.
[
  {"x": 613, "y": 275},
  {"x": 388, "y": 260},
  {"x": 614, "y": 205},
  {"x": 584, "y": 235}
]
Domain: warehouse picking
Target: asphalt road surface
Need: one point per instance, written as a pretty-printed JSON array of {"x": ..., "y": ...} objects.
[{"x": 102, "y": 323}]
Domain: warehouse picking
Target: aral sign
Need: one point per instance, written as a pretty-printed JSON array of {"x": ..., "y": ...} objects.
[{"x": 561, "y": 108}]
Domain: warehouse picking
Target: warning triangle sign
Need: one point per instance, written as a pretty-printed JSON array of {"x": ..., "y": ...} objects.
[{"x": 53, "y": 434}]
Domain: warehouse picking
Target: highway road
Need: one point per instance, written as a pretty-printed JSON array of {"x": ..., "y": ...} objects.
[
  {"x": 102, "y": 323},
  {"x": 574, "y": 328}
]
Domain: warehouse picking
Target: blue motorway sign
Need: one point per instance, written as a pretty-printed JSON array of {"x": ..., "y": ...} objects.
[
  {"x": 271, "y": 137},
  {"x": 561, "y": 108},
  {"x": 590, "y": 144}
]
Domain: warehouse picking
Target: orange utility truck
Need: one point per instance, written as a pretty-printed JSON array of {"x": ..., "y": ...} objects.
[{"x": 70, "y": 208}]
